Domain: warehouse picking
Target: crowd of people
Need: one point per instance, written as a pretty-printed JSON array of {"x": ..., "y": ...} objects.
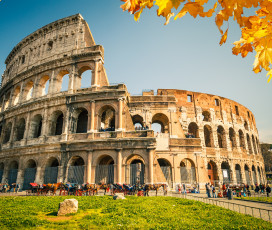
[
  {"x": 228, "y": 190},
  {"x": 5, "y": 187}
]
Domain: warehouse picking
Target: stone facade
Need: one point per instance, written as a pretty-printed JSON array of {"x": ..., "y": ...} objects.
[{"x": 102, "y": 133}]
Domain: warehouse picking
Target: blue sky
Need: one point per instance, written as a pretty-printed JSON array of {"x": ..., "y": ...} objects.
[{"x": 185, "y": 54}]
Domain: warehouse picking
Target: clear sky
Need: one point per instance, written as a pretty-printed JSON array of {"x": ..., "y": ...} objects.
[{"x": 148, "y": 55}]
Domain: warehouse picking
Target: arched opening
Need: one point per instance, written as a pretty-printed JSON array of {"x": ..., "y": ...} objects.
[
  {"x": 104, "y": 172},
  {"x": 213, "y": 173},
  {"x": 254, "y": 145},
  {"x": 232, "y": 137},
  {"x": 137, "y": 172},
  {"x": 187, "y": 171},
  {"x": 193, "y": 130},
  {"x": 76, "y": 170},
  {"x": 2, "y": 166},
  {"x": 51, "y": 171},
  {"x": 20, "y": 130},
  {"x": 6, "y": 101},
  {"x": 226, "y": 172},
  {"x": 29, "y": 174},
  {"x": 107, "y": 119},
  {"x": 242, "y": 139},
  {"x": 206, "y": 116},
  {"x": 43, "y": 86},
  {"x": 221, "y": 135},
  {"x": 82, "y": 121},
  {"x": 160, "y": 123},
  {"x": 61, "y": 82},
  {"x": 208, "y": 136},
  {"x": 247, "y": 174},
  {"x": 166, "y": 170},
  {"x": 138, "y": 122},
  {"x": 16, "y": 95},
  {"x": 249, "y": 144},
  {"x": 259, "y": 175},
  {"x": 56, "y": 123},
  {"x": 7, "y": 133},
  {"x": 12, "y": 173},
  {"x": 28, "y": 90},
  {"x": 35, "y": 126},
  {"x": 86, "y": 77},
  {"x": 246, "y": 125},
  {"x": 238, "y": 174},
  {"x": 254, "y": 174}
]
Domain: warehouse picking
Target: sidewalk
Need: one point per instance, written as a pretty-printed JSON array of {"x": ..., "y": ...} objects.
[{"x": 255, "y": 209}]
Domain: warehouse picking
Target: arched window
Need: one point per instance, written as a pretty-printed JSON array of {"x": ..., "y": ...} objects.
[
  {"x": 247, "y": 174},
  {"x": 76, "y": 170},
  {"x": 232, "y": 137},
  {"x": 254, "y": 174},
  {"x": 86, "y": 77},
  {"x": 160, "y": 123},
  {"x": 254, "y": 144},
  {"x": 61, "y": 82},
  {"x": 12, "y": 172},
  {"x": 35, "y": 126},
  {"x": 104, "y": 172},
  {"x": 20, "y": 129},
  {"x": 29, "y": 174},
  {"x": 249, "y": 144},
  {"x": 43, "y": 86},
  {"x": 193, "y": 130},
  {"x": 16, "y": 95},
  {"x": 226, "y": 172},
  {"x": 82, "y": 121},
  {"x": 166, "y": 168},
  {"x": 107, "y": 119},
  {"x": 56, "y": 123},
  {"x": 187, "y": 171},
  {"x": 221, "y": 137},
  {"x": 28, "y": 90},
  {"x": 206, "y": 116},
  {"x": 138, "y": 122},
  {"x": 51, "y": 171},
  {"x": 242, "y": 139},
  {"x": 213, "y": 173},
  {"x": 246, "y": 125},
  {"x": 238, "y": 174},
  {"x": 6, "y": 101},
  {"x": 7, "y": 132},
  {"x": 208, "y": 136}
]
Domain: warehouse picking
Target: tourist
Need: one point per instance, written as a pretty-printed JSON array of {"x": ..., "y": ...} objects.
[
  {"x": 213, "y": 191},
  {"x": 229, "y": 193},
  {"x": 208, "y": 190},
  {"x": 17, "y": 188},
  {"x": 268, "y": 190}
]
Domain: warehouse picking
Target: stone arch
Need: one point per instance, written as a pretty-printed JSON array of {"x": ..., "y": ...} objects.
[
  {"x": 254, "y": 175},
  {"x": 247, "y": 174},
  {"x": 193, "y": 129},
  {"x": 36, "y": 126},
  {"x": 187, "y": 171},
  {"x": 246, "y": 125},
  {"x": 208, "y": 136},
  {"x": 29, "y": 173},
  {"x": 135, "y": 172},
  {"x": 20, "y": 129},
  {"x": 206, "y": 116},
  {"x": 16, "y": 95},
  {"x": 249, "y": 144},
  {"x": 166, "y": 168},
  {"x": 79, "y": 121},
  {"x": 225, "y": 167},
  {"x": 254, "y": 144},
  {"x": 138, "y": 122},
  {"x": 76, "y": 170},
  {"x": 104, "y": 172},
  {"x": 213, "y": 172},
  {"x": 28, "y": 90},
  {"x": 232, "y": 137},
  {"x": 162, "y": 120},
  {"x": 51, "y": 171},
  {"x": 56, "y": 123},
  {"x": 7, "y": 132},
  {"x": 43, "y": 86},
  {"x": 61, "y": 81},
  {"x": 238, "y": 174},
  {"x": 242, "y": 139},
  {"x": 85, "y": 73},
  {"x": 107, "y": 118},
  {"x": 7, "y": 100},
  {"x": 221, "y": 135},
  {"x": 13, "y": 172}
]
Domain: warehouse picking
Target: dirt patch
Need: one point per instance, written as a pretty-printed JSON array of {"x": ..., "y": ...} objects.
[{"x": 58, "y": 218}]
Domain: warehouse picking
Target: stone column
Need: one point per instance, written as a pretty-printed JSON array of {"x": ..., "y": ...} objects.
[
  {"x": 89, "y": 166},
  {"x": 20, "y": 177},
  {"x": 92, "y": 116},
  {"x": 12, "y": 130},
  {"x": 120, "y": 113},
  {"x": 151, "y": 151},
  {"x": 5, "y": 175},
  {"x": 95, "y": 75},
  {"x": 27, "y": 127},
  {"x": 119, "y": 165},
  {"x": 51, "y": 82},
  {"x": 45, "y": 123},
  {"x": 38, "y": 179},
  {"x": 60, "y": 174}
]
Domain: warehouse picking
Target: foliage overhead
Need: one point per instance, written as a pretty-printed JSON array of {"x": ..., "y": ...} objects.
[{"x": 256, "y": 30}]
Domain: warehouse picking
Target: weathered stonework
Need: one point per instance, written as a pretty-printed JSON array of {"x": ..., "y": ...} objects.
[{"x": 89, "y": 135}]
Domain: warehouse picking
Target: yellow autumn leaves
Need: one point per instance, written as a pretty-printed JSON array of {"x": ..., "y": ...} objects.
[{"x": 256, "y": 30}]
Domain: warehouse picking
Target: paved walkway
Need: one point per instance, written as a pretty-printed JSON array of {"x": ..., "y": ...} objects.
[{"x": 255, "y": 209}]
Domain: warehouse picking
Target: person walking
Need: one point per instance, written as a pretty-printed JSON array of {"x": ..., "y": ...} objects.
[
  {"x": 208, "y": 190},
  {"x": 268, "y": 190}
]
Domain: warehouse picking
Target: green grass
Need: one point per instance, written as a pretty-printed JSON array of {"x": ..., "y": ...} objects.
[
  {"x": 263, "y": 199},
  {"x": 133, "y": 213}
]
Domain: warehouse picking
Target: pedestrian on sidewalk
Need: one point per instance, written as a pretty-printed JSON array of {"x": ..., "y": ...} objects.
[
  {"x": 208, "y": 190},
  {"x": 213, "y": 191},
  {"x": 268, "y": 190}
]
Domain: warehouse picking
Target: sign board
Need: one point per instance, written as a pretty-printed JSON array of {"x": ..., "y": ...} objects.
[{"x": 225, "y": 173}]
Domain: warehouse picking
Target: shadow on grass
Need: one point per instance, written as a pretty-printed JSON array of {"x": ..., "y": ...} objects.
[{"x": 52, "y": 214}]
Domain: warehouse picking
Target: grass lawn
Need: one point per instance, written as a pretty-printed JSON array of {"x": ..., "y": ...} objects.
[
  {"x": 263, "y": 199},
  {"x": 102, "y": 212}
]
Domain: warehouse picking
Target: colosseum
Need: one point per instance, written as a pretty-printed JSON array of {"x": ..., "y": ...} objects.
[{"x": 96, "y": 133}]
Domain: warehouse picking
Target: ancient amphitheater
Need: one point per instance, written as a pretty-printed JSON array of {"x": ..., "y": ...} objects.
[{"x": 103, "y": 134}]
